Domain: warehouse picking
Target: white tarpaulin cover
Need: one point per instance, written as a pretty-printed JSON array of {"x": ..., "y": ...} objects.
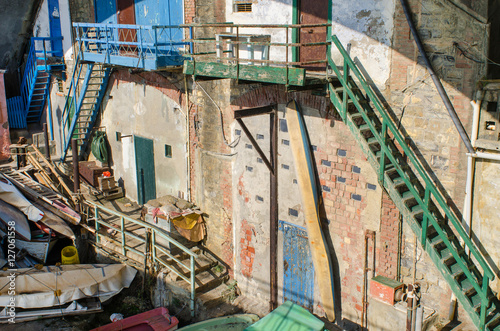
[
  {"x": 10, "y": 194},
  {"x": 54, "y": 286}
]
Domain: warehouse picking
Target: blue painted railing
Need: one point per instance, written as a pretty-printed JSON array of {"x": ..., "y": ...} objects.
[
  {"x": 35, "y": 78},
  {"x": 139, "y": 46}
]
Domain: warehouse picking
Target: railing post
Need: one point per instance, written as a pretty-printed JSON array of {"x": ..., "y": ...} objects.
[
  {"x": 237, "y": 54},
  {"x": 191, "y": 44},
  {"x": 345, "y": 96},
  {"x": 153, "y": 245},
  {"x": 122, "y": 227},
  {"x": 156, "y": 40},
  {"x": 381, "y": 171},
  {"x": 140, "y": 43},
  {"x": 193, "y": 290},
  {"x": 484, "y": 302},
  {"x": 425, "y": 220},
  {"x": 107, "y": 46},
  {"x": 96, "y": 216},
  {"x": 287, "y": 66}
]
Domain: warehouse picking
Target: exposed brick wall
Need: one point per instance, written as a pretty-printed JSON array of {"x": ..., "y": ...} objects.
[
  {"x": 387, "y": 253},
  {"x": 247, "y": 251},
  {"x": 189, "y": 11}
]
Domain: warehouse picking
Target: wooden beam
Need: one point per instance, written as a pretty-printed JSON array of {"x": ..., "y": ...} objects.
[
  {"x": 256, "y": 145},
  {"x": 266, "y": 74},
  {"x": 248, "y": 112}
]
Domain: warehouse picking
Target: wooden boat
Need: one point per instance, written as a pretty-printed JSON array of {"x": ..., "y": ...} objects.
[
  {"x": 155, "y": 320},
  {"x": 237, "y": 322},
  {"x": 9, "y": 214},
  {"x": 306, "y": 177}
]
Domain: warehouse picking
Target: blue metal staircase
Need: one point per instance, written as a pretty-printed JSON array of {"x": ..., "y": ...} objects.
[
  {"x": 411, "y": 188},
  {"x": 86, "y": 91},
  {"x": 28, "y": 108}
]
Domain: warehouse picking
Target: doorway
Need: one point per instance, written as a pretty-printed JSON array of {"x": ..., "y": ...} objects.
[
  {"x": 298, "y": 269},
  {"x": 145, "y": 169},
  {"x": 312, "y": 12},
  {"x": 125, "y": 14}
]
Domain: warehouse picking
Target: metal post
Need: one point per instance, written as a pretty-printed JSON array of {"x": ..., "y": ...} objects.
[
  {"x": 193, "y": 284},
  {"x": 122, "y": 226},
  {"x": 76, "y": 170},
  {"x": 97, "y": 225},
  {"x": 47, "y": 142},
  {"x": 273, "y": 217}
]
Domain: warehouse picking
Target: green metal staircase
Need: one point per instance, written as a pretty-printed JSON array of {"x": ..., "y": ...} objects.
[
  {"x": 87, "y": 89},
  {"x": 411, "y": 188}
]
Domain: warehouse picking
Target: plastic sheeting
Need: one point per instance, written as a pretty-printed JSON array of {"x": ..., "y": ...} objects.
[
  {"x": 10, "y": 194},
  {"x": 54, "y": 286}
]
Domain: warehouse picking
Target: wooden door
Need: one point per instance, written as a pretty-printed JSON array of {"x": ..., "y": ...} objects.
[
  {"x": 125, "y": 14},
  {"x": 313, "y": 12},
  {"x": 145, "y": 169},
  {"x": 298, "y": 269}
]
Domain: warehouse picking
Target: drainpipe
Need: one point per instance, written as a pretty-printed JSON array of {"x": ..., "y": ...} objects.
[
  {"x": 188, "y": 143},
  {"x": 437, "y": 82}
]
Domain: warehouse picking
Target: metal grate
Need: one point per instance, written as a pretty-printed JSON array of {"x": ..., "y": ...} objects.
[{"x": 243, "y": 7}]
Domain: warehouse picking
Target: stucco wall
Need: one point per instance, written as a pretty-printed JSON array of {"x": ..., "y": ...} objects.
[
  {"x": 133, "y": 108},
  {"x": 368, "y": 27}
]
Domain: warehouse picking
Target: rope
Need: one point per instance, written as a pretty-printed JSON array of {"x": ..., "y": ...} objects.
[{"x": 99, "y": 146}]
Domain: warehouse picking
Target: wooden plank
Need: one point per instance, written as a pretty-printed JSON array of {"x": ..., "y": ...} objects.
[
  {"x": 266, "y": 74},
  {"x": 304, "y": 167},
  {"x": 248, "y": 112}
]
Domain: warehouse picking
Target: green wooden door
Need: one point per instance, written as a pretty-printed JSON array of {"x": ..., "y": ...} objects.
[{"x": 145, "y": 168}]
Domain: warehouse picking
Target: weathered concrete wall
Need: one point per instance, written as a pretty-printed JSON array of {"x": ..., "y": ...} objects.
[
  {"x": 42, "y": 29},
  {"x": 368, "y": 26},
  {"x": 486, "y": 208},
  {"x": 15, "y": 23},
  {"x": 82, "y": 11},
  {"x": 264, "y": 12},
  {"x": 134, "y": 107},
  {"x": 211, "y": 160}
]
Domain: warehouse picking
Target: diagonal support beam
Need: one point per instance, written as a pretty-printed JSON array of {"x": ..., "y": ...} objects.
[
  {"x": 256, "y": 145},
  {"x": 248, "y": 112}
]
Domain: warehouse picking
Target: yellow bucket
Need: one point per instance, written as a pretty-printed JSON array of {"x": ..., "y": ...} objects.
[{"x": 69, "y": 255}]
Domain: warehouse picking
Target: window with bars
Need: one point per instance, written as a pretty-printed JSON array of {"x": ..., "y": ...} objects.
[{"x": 243, "y": 7}]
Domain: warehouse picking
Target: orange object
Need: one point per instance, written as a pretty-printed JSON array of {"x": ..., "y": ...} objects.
[{"x": 106, "y": 174}]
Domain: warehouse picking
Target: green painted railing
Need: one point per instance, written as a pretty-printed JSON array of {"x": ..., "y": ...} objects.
[
  {"x": 156, "y": 233},
  {"x": 385, "y": 137}
]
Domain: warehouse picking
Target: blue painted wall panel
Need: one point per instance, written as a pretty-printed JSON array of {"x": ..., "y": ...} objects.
[
  {"x": 55, "y": 26},
  {"x": 159, "y": 12},
  {"x": 298, "y": 269},
  {"x": 105, "y": 11}
]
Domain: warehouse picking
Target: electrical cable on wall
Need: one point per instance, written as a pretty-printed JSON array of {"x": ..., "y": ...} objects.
[
  {"x": 235, "y": 142},
  {"x": 465, "y": 53}
]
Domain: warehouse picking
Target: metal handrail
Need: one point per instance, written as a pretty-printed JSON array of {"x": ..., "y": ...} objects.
[
  {"x": 147, "y": 41},
  {"x": 155, "y": 232},
  {"x": 479, "y": 282},
  {"x": 414, "y": 161}
]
